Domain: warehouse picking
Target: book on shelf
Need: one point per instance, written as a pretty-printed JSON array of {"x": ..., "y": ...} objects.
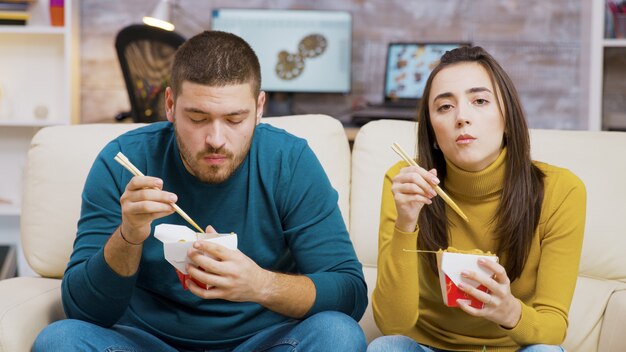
[
  {"x": 13, "y": 6},
  {"x": 13, "y": 22},
  {"x": 14, "y": 17}
]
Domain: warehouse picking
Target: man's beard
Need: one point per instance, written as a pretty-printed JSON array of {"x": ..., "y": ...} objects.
[{"x": 210, "y": 173}]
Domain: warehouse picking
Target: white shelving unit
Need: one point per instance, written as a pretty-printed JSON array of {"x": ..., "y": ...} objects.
[
  {"x": 39, "y": 82},
  {"x": 607, "y": 109}
]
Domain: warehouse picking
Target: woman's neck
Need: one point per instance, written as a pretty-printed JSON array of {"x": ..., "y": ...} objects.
[{"x": 480, "y": 184}]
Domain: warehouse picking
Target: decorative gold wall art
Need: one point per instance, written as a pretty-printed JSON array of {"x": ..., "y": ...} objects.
[{"x": 290, "y": 66}]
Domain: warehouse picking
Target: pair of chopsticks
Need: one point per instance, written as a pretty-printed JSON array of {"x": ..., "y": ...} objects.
[
  {"x": 398, "y": 149},
  {"x": 123, "y": 160}
]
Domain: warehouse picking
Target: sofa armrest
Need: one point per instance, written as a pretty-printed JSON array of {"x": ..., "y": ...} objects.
[
  {"x": 27, "y": 305},
  {"x": 612, "y": 337}
]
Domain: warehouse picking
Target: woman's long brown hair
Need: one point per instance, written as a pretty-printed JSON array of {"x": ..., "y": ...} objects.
[{"x": 517, "y": 215}]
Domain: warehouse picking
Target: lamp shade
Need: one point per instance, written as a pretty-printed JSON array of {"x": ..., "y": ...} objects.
[{"x": 160, "y": 17}]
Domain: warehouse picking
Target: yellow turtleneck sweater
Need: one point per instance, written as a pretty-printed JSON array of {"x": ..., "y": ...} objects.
[{"x": 407, "y": 299}]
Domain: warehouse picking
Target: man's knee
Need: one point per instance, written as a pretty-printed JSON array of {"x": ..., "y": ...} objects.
[
  {"x": 338, "y": 327},
  {"x": 60, "y": 335}
]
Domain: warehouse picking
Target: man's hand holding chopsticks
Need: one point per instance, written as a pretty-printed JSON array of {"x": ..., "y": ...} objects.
[{"x": 142, "y": 202}]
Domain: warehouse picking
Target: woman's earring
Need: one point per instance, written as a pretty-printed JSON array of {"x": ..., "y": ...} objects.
[{"x": 435, "y": 145}]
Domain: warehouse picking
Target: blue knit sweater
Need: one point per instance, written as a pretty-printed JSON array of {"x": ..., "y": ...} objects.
[{"x": 279, "y": 202}]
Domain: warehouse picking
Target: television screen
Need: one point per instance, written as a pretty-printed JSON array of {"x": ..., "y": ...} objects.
[
  {"x": 409, "y": 65},
  {"x": 299, "y": 50}
]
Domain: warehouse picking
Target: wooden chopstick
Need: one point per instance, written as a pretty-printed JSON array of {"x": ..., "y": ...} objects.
[
  {"x": 123, "y": 160},
  {"x": 418, "y": 251},
  {"x": 398, "y": 149}
]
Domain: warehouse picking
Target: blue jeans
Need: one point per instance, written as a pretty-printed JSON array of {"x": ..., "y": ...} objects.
[
  {"x": 325, "y": 331},
  {"x": 399, "y": 343}
]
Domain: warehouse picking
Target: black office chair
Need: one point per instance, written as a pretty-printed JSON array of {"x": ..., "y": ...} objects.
[{"x": 146, "y": 54}]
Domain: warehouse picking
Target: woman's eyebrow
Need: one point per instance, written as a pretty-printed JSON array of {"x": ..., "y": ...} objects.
[
  {"x": 444, "y": 95},
  {"x": 478, "y": 90},
  {"x": 469, "y": 91}
]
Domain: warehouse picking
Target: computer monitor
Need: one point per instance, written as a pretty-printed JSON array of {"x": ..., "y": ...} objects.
[
  {"x": 408, "y": 67},
  {"x": 300, "y": 51}
]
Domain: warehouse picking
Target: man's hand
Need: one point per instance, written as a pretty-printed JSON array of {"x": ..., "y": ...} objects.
[
  {"x": 231, "y": 275},
  {"x": 142, "y": 202},
  {"x": 227, "y": 274}
]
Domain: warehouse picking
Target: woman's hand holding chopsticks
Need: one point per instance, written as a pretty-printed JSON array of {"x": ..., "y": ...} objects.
[
  {"x": 434, "y": 182},
  {"x": 412, "y": 188}
]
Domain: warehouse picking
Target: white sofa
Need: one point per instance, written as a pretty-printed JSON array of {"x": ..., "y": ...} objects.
[{"x": 60, "y": 157}]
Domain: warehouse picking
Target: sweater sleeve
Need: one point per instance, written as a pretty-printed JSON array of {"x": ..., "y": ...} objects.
[
  {"x": 317, "y": 236},
  {"x": 545, "y": 321},
  {"x": 91, "y": 290},
  {"x": 395, "y": 300}
]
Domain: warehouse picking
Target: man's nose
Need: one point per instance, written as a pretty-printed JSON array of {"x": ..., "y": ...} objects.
[{"x": 215, "y": 135}]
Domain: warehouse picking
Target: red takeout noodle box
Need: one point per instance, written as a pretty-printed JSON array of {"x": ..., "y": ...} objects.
[
  {"x": 450, "y": 265},
  {"x": 178, "y": 239}
]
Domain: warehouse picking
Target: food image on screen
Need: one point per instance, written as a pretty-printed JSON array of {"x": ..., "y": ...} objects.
[{"x": 409, "y": 65}]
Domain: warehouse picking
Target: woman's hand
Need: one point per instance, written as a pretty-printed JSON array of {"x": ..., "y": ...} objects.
[
  {"x": 500, "y": 306},
  {"x": 412, "y": 188}
]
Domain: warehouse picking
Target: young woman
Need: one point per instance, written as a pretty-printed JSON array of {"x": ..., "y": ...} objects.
[{"x": 473, "y": 142}]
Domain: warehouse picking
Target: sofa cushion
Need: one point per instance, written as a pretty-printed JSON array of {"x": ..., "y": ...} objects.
[
  {"x": 59, "y": 160},
  {"x": 597, "y": 158},
  {"x": 371, "y": 158}
]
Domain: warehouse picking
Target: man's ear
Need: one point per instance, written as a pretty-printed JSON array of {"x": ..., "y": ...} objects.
[
  {"x": 259, "y": 106},
  {"x": 169, "y": 104}
]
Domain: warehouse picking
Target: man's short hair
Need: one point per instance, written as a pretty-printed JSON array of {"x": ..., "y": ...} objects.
[{"x": 216, "y": 59}]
